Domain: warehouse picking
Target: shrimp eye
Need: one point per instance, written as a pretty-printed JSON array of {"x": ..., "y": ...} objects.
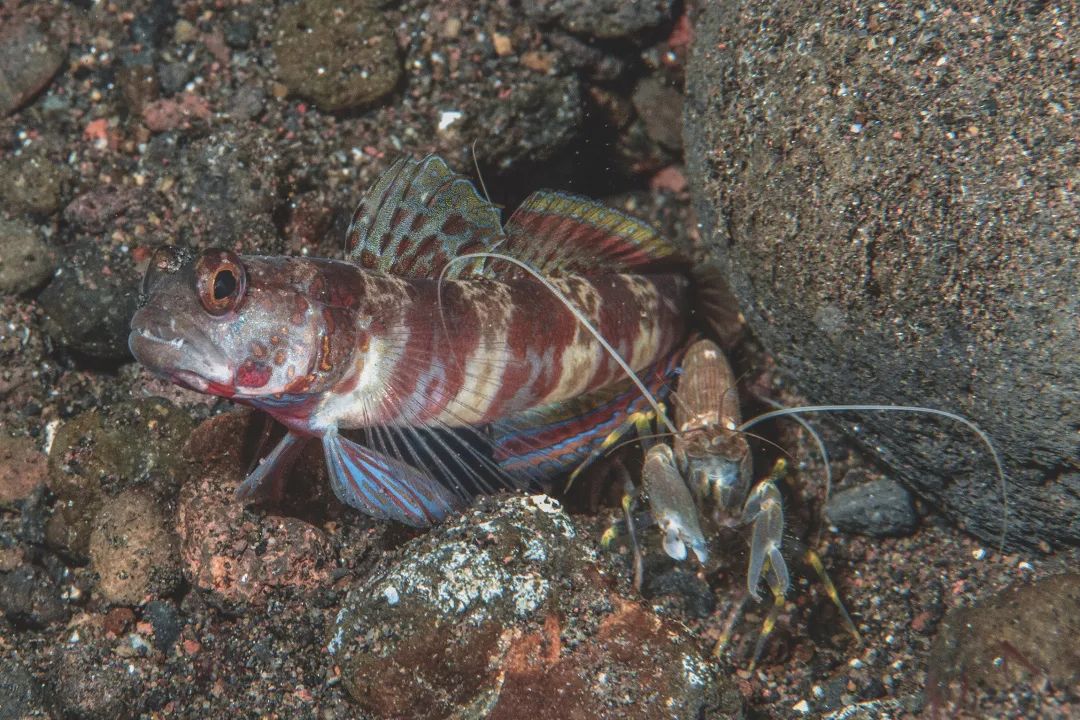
[{"x": 220, "y": 281}]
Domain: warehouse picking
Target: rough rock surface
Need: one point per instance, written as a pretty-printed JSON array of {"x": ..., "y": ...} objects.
[
  {"x": 488, "y": 613},
  {"x": 31, "y": 52},
  {"x": 339, "y": 55},
  {"x": 1025, "y": 633},
  {"x": 22, "y": 468},
  {"x": 890, "y": 193},
  {"x": 89, "y": 304},
  {"x": 30, "y": 598},
  {"x": 133, "y": 550},
  {"x": 35, "y": 184},
  {"x": 604, "y": 19},
  {"x": 878, "y": 508},
  {"x": 237, "y": 555},
  {"x": 26, "y": 261},
  {"x": 99, "y": 453},
  {"x": 20, "y": 693}
]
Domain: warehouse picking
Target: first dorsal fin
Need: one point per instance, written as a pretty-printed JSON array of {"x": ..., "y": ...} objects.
[
  {"x": 558, "y": 233},
  {"x": 417, "y": 217}
]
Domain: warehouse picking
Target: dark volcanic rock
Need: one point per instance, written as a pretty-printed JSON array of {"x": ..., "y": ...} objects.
[
  {"x": 888, "y": 194},
  {"x": 30, "y": 54},
  {"x": 166, "y": 622},
  {"x": 339, "y": 55},
  {"x": 20, "y": 696},
  {"x": 487, "y": 614},
  {"x": 89, "y": 304},
  {"x": 878, "y": 508},
  {"x": 29, "y": 597},
  {"x": 26, "y": 261},
  {"x": 601, "y": 18},
  {"x": 1024, "y": 633},
  {"x": 103, "y": 451},
  {"x": 228, "y": 187},
  {"x": 537, "y": 118}
]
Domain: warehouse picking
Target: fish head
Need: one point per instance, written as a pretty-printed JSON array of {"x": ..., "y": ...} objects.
[{"x": 239, "y": 327}]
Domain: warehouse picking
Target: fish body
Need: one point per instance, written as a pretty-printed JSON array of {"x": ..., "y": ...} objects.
[{"x": 400, "y": 339}]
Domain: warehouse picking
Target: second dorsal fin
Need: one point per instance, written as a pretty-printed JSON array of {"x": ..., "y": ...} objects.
[
  {"x": 557, "y": 233},
  {"x": 417, "y": 217}
]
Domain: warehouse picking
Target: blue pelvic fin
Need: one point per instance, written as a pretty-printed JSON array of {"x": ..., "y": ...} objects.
[
  {"x": 271, "y": 468},
  {"x": 383, "y": 487}
]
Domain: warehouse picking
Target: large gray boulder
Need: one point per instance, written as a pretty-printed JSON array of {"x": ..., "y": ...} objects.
[{"x": 891, "y": 194}]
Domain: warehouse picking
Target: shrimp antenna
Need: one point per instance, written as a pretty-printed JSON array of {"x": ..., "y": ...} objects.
[
  {"x": 580, "y": 316},
  {"x": 813, "y": 433},
  {"x": 479, "y": 175},
  {"x": 794, "y": 412}
]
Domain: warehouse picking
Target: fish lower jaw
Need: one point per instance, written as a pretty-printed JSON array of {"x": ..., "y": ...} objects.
[{"x": 172, "y": 358}]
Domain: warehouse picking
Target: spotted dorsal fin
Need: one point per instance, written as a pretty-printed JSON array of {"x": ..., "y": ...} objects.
[
  {"x": 558, "y": 233},
  {"x": 419, "y": 215}
]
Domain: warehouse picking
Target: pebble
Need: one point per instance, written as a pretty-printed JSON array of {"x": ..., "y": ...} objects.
[
  {"x": 659, "y": 105},
  {"x": 32, "y": 183},
  {"x": 496, "y": 607},
  {"x": 30, "y": 55},
  {"x": 606, "y": 19},
  {"x": 150, "y": 24},
  {"x": 30, "y": 598},
  {"x": 340, "y": 56},
  {"x": 20, "y": 693},
  {"x": 96, "y": 210},
  {"x": 878, "y": 508},
  {"x": 173, "y": 77},
  {"x": 247, "y": 103},
  {"x": 1024, "y": 633},
  {"x": 132, "y": 550},
  {"x": 26, "y": 261},
  {"x": 539, "y": 116},
  {"x": 22, "y": 469},
  {"x": 132, "y": 443},
  {"x": 166, "y": 622},
  {"x": 237, "y": 556},
  {"x": 89, "y": 303}
]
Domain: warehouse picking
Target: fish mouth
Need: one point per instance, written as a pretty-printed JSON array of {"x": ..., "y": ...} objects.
[{"x": 178, "y": 351}]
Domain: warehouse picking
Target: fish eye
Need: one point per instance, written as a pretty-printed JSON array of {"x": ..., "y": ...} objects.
[{"x": 220, "y": 281}]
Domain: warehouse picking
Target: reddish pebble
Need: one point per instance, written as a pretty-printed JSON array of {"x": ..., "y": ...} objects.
[
  {"x": 97, "y": 129},
  {"x": 118, "y": 620},
  {"x": 22, "y": 468},
  {"x": 670, "y": 178}
]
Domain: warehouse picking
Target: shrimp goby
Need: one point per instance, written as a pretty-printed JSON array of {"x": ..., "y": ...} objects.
[{"x": 465, "y": 372}]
